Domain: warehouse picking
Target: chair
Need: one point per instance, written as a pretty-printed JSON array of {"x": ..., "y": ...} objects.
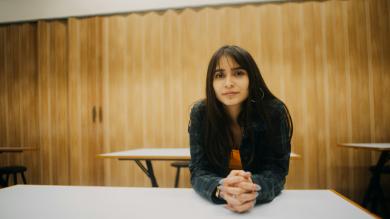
[
  {"x": 374, "y": 198},
  {"x": 178, "y": 165},
  {"x": 12, "y": 170},
  {"x": 384, "y": 170}
]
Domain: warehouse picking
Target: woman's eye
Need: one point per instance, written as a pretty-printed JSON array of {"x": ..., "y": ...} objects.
[
  {"x": 240, "y": 73},
  {"x": 218, "y": 75}
]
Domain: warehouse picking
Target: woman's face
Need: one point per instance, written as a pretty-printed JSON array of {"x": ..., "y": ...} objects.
[{"x": 230, "y": 82}]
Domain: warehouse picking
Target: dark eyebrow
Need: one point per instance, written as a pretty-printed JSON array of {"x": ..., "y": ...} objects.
[{"x": 222, "y": 70}]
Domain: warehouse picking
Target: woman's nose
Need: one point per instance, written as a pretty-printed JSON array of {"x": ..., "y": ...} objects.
[{"x": 228, "y": 81}]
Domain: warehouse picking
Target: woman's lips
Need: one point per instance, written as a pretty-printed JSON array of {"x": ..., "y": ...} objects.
[{"x": 230, "y": 93}]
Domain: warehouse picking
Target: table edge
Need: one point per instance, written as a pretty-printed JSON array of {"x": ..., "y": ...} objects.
[
  {"x": 142, "y": 157},
  {"x": 360, "y": 147},
  {"x": 152, "y": 157}
]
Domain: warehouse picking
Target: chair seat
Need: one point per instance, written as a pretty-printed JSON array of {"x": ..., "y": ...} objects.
[
  {"x": 12, "y": 169},
  {"x": 180, "y": 164}
]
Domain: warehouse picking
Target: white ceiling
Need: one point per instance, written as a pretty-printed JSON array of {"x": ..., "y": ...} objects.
[{"x": 28, "y": 10}]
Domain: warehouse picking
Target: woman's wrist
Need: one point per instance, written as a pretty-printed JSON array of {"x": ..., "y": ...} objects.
[{"x": 218, "y": 192}]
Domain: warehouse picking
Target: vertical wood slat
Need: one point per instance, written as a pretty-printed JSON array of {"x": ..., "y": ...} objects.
[
  {"x": 117, "y": 105},
  {"x": 13, "y": 74},
  {"x": 3, "y": 96},
  {"x": 29, "y": 123},
  {"x": 85, "y": 99},
  {"x": 44, "y": 113},
  {"x": 359, "y": 91},
  {"x": 74, "y": 109},
  {"x": 53, "y": 102},
  {"x": 336, "y": 57}
]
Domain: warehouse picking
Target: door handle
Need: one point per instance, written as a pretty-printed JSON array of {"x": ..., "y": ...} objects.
[
  {"x": 93, "y": 114},
  {"x": 100, "y": 114}
]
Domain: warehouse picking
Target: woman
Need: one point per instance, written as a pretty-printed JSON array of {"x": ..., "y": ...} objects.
[{"x": 239, "y": 135}]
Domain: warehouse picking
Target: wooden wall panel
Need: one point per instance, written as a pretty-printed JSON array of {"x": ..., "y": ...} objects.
[
  {"x": 53, "y": 102},
  {"x": 74, "y": 109},
  {"x": 29, "y": 123},
  {"x": 18, "y": 82},
  {"x": 3, "y": 94},
  {"x": 379, "y": 78},
  {"x": 85, "y": 101},
  {"x": 312, "y": 98},
  {"x": 13, "y": 74},
  {"x": 338, "y": 86},
  {"x": 118, "y": 89},
  {"x": 135, "y": 63},
  {"x": 360, "y": 109}
]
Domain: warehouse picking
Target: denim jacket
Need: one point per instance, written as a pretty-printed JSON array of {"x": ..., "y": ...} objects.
[{"x": 269, "y": 166}]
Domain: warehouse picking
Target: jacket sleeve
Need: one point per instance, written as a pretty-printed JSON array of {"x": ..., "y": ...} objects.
[
  {"x": 272, "y": 175},
  {"x": 203, "y": 179}
]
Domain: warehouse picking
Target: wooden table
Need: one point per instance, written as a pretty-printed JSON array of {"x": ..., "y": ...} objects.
[
  {"x": 150, "y": 154},
  {"x": 374, "y": 192},
  {"x": 84, "y": 202}
]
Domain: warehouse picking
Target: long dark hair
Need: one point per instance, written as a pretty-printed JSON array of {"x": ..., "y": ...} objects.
[{"x": 218, "y": 137}]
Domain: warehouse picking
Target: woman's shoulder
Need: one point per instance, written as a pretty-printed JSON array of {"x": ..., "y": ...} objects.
[
  {"x": 196, "y": 116},
  {"x": 198, "y": 107},
  {"x": 198, "y": 110},
  {"x": 275, "y": 107}
]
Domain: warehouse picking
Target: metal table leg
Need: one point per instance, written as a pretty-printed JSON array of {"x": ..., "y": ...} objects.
[
  {"x": 148, "y": 170},
  {"x": 3, "y": 182}
]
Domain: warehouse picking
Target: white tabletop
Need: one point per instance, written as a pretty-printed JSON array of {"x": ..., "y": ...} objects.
[
  {"x": 41, "y": 202},
  {"x": 371, "y": 146},
  {"x": 151, "y": 154},
  {"x": 156, "y": 154}
]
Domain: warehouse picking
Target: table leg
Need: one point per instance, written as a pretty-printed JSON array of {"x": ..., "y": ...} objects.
[
  {"x": 3, "y": 183},
  {"x": 151, "y": 173},
  {"x": 148, "y": 170}
]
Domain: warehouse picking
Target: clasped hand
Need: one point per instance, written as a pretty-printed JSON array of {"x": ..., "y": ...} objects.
[{"x": 239, "y": 191}]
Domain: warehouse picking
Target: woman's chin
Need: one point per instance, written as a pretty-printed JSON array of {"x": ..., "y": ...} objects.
[{"x": 231, "y": 102}]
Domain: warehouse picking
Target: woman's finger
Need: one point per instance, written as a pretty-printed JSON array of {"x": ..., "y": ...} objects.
[
  {"x": 247, "y": 197},
  {"x": 241, "y": 208},
  {"x": 231, "y": 199},
  {"x": 236, "y": 173},
  {"x": 232, "y": 190},
  {"x": 229, "y": 181},
  {"x": 244, "y": 207},
  {"x": 236, "y": 198},
  {"x": 240, "y": 173},
  {"x": 246, "y": 175},
  {"x": 248, "y": 186}
]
